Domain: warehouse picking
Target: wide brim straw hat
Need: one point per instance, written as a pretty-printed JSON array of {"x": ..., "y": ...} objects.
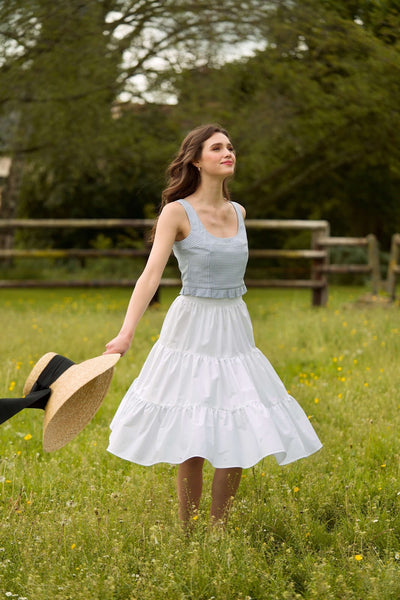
[{"x": 75, "y": 396}]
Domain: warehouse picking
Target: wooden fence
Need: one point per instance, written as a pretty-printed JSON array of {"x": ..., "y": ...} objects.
[{"x": 317, "y": 254}]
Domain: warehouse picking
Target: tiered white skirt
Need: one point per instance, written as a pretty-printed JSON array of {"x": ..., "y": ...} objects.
[{"x": 206, "y": 390}]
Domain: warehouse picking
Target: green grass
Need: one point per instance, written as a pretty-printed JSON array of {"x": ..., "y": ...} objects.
[{"x": 82, "y": 524}]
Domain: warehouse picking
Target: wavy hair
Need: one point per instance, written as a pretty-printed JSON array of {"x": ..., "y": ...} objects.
[{"x": 183, "y": 178}]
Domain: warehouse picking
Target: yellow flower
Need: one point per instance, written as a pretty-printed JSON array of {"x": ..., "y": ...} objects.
[
  {"x": 296, "y": 489},
  {"x": 28, "y": 437},
  {"x": 316, "y": 400},
  {"x": 383, "y": 466},
  {"x": 73, "y": 546},
  {"x": 195, "y": 517},
  {"x": 358, "y": 557}
]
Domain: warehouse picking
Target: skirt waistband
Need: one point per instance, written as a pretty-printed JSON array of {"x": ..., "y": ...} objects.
[{"x": 199, "y": 300}]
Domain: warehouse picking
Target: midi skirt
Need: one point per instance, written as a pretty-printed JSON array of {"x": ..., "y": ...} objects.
[{"x": 206, "y": 390}]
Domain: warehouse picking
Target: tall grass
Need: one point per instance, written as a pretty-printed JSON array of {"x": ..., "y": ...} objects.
[{"x": 83, "y": 524}]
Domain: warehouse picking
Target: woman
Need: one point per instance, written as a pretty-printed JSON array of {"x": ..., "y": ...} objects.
[{"x": 205, "y": 391}]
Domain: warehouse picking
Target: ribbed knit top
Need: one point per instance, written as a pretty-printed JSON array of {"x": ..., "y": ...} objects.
[{"x": 211, "y": 266}]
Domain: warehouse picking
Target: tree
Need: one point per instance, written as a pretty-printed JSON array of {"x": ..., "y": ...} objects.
[
  {"x": 64, "y": 65},
  {"x": 316, "y": 119}
]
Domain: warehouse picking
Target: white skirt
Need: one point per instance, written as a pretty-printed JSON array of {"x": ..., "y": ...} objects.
[{"x": 206, "y": 390}]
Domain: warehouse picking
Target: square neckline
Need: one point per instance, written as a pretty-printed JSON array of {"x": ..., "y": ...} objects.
[{"x": 216, "y": 237}]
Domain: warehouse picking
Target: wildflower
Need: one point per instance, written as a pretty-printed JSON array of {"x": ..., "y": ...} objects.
[
  {"x": 358, "y": 557},
  {"x": 397, "y": 556},
  {"x": 73, "y": 546},
  {"x": 383, "y": 465},
  {"x": 28, "y": 437},
  {"x": 11, "y": 386},
  {"x": 195, "y": 517},
  {"x": 316, "y": 400},
  {"x": 296, "y": 489}
]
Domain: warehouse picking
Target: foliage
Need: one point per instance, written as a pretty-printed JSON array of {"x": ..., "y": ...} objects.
[
  {"x": 315, "y": 117},
  {"x": 63, "y": 66},
  {"x": 80, "y": 523},
  {"x": 314, "y": 113}
]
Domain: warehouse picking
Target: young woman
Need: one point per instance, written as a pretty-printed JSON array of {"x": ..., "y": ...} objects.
[{"x": 205, "y": 391}]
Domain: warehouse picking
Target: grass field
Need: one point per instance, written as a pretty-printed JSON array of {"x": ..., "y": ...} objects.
[{"x": 81, "y": 524}]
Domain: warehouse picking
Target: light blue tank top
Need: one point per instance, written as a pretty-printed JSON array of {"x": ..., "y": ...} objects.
[{"x": 210, "y": 266}]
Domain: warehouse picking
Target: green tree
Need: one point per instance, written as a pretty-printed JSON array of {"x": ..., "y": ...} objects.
[
  {"x": 63, "y": 65},
  {"x": 315, "y": 116}
]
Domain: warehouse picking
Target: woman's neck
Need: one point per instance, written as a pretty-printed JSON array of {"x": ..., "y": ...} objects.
[{"x": 210, "y": 193}]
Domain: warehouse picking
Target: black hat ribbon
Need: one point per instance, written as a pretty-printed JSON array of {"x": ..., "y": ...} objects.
[{"x": 40, "y": 392}]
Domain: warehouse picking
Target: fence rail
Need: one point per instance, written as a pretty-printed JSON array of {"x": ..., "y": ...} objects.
[
  {"x": 372, "y": 267},
  {"x": 317, "y": 254}
]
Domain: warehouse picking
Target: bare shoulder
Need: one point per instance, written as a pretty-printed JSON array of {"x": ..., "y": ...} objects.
[
  {"x": 173, "y": 219},
  {"x": 173, "y": 212},
  {"x": 243, "y": 210}
]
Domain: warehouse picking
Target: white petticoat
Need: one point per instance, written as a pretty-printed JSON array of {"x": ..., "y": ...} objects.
[{"x": 206, "y": 390}]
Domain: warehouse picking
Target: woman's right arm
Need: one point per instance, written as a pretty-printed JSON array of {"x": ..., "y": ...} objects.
[{"x": 168, "y": 226}]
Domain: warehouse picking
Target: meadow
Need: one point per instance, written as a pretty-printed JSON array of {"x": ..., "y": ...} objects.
[{"x": 81, "y": 524}]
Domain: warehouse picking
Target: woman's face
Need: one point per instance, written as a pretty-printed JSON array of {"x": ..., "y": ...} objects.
[{"x": 217, "y": 156}]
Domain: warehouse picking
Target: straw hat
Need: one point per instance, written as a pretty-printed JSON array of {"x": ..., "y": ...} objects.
[{"x": 69, "y": 393}]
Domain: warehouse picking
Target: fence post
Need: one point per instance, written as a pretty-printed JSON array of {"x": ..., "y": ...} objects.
[
  {"x": 393, "y": 266},
  {"x": 320, "y": 294},
  {"x": 373, "y": 261}
]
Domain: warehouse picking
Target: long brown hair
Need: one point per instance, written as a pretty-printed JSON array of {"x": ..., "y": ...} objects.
[{"x": 183, "y": 176}]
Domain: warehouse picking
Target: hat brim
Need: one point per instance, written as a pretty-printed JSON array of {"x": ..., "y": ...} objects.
[{"x": 75, "y": 398}]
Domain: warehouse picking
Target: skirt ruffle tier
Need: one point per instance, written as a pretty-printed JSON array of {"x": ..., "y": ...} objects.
[{"x": 206, "y": 390}]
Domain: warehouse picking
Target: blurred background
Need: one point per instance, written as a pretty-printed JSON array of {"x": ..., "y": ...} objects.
[{"x": 96, "y": 95}]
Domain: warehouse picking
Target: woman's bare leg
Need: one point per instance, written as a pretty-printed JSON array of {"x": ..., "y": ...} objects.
[
  {"x": 189, "y": 487},
  {"x": 224, "y": 488}
]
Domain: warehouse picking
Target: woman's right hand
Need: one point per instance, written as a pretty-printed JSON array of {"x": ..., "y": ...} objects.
[{"x": 118, "y": 345}]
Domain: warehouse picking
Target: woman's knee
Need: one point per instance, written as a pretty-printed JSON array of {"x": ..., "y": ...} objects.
[{"x": 195, "y": 462}]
